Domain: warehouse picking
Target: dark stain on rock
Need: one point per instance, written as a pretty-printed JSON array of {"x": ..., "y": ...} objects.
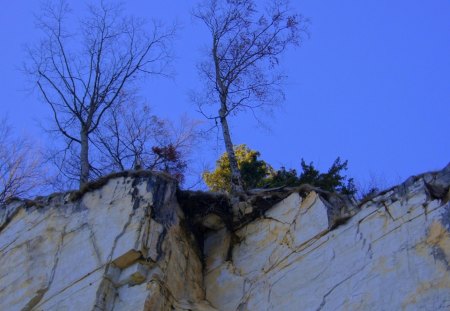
[
  {"x": 439, "y": 255},
  {"x": 159, "y": 244},
  {"x": 135, "y": 194},
  {"x": 445, "y": 216}
]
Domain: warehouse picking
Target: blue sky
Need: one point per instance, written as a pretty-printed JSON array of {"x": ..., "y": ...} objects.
[{"x": 371, "y": 84}]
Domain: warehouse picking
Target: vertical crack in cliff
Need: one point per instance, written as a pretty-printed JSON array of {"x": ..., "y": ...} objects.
[
  {"x": 161, "y": 215},
  {"x": 36, "y": 299},
  {"x": 386, "y": 209},
  {"x": 106, "y": 292},
  {"x": 116, "y": 240},
  {"x": 114, "y": 194},
  {"x": 123, "y": 231},
  {"x": 145, "y": 219},
  {"x": 159, "y": 243},
  {"x": 94, "y": 243}
]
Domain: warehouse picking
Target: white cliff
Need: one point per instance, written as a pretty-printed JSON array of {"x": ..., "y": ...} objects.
[
  {"x": 131, "y": 243},
  {"x": 119, "y": 247},
  {"x": 394, "y": 254}
]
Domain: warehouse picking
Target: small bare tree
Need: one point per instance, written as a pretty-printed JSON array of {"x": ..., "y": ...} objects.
[
  {"x": 240, "y": 68},
  {"x": 126, "y": 137},
  {"x": 83, "y": 73},
  {"x": 19, "y": 165},
  {"x": 132, "y": 137},
  {"x": 173, "y": 149}
]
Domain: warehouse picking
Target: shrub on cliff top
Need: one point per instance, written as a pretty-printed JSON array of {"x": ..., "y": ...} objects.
[
  {"x": 253, "y": 171},
  {"x": 257, "y": 173},
  {"x": 333, "y": 180}
]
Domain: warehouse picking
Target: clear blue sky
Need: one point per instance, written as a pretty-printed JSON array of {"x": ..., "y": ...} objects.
[{"x": 371, "y": 85}]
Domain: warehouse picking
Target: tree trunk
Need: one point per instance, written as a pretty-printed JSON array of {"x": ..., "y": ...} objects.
[
  {"x": 237, "y": 187},
  {"x": 84, "y": 158}
]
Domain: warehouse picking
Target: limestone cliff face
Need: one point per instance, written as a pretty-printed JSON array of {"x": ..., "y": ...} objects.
[
  {"x": 122, "y": 246},
  {"x": 394, "y": 254},
  {"x": 132, "y": 243}
]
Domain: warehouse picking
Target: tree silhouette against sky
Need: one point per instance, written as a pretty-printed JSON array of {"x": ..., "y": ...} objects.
[{"x": 240, "y": 70}]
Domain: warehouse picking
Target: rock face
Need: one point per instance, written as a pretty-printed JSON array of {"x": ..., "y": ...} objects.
[
  {"x": 128, "y": 245},
  {"x": 120, "y": 247},
  {"x": 392, "y": 255}
]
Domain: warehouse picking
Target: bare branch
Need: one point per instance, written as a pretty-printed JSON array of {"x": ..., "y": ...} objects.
[
  {"x": 132, "y": 136},
  {"x": 19, "y": 165},
  {"x": 239, "y": 72},
  {"x": 82, "y": 76}
]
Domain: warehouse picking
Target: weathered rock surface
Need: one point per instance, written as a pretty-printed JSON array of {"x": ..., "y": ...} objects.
[
  {"x": 120, "y": 247},
  {"x": 131, "y": 243},
  {"x": 392, "y": 255}
]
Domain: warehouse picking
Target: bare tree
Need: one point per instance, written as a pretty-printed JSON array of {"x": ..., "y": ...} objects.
[
  {"x": 82, "y": 74},
  {"x": 125, "y": 138},
  {"x": 19, "y": 165},
  {"x": 132, "y": 137},
  {"x": 173, "y": 149},
  {"x": 240, "y": 68}
]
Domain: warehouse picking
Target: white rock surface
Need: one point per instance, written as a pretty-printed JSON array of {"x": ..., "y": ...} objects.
[
  {"x": 127, "y": 245},
  {"x": 120, "y": 247},
  {"x": 392, "y": 255}
]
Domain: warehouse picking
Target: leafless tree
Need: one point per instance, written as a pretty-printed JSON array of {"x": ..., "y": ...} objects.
[
  {"x": 19, "y": 165},
  {"x": 125, "y": 138},
  {"x": 82, "y": 72},
  {"x": 240, "y": 68},
  {"x": 175, "y": 147},
  {"x": 132, "y": 137}
]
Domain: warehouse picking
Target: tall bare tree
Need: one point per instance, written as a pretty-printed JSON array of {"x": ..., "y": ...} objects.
[
  {"x": 82, "y": 72},
  {"x": 19, "y": 165},
  {"x": 240, "y": 68}
]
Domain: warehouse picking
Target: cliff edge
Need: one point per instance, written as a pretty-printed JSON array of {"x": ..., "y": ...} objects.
[{"x": 132, "y": 241}]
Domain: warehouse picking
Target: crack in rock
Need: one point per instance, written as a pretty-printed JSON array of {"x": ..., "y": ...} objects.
[{"x": 324, "y": 298}]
